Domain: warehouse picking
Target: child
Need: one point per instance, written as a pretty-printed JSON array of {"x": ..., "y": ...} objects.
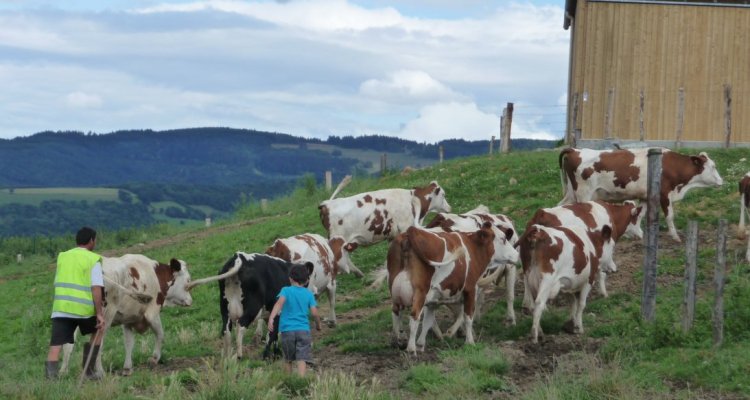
[{"x": 294, "y": 302}]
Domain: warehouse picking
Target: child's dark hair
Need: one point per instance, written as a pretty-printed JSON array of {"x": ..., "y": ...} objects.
[{"x": 299, "y": 274}]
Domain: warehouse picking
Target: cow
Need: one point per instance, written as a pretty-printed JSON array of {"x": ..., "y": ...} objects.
[
  {"x": 248, "y": 284},
  {"x": 744, "y": 203},
  {"x": 618, "y": 175},
  {"x": 427, "y": 269},
  {"x": 326, "y": 262},
  {"x": 135, "y": 289},
  {"x": 371, "y": 217},
  {"x": 561, "y": 259},
  {"x": 471, "y": 221},
  {"x": 624, "y": 220}
]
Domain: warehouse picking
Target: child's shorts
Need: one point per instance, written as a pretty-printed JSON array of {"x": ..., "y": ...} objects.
[{"x": 297, "y": 346}]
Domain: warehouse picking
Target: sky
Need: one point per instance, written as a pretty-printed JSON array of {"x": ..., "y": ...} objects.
[{"x": 423, "y": 70}]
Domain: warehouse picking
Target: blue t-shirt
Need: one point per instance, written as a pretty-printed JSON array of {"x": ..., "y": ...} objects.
[{"x": 296, "y": 308}]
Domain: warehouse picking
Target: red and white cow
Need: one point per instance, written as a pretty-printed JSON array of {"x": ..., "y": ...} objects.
[
  {"x": 326, "y": 262},
  {"x": 470, "y": 222},
  {"x": 562, "y": 259},
  {"x": 371, "y": 217},
  {"x": 427, "y": 269},
  {"x": 744, "y": 203},
  {"x": 624, "y": 220},
  {"x": 136, "y": 287},
  {"x": 618, "y": 175}
]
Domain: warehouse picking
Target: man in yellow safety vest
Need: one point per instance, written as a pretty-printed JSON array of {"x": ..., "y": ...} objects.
[{"x": 78, "y": 302}]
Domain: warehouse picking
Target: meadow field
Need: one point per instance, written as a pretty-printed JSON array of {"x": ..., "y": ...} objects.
[
  {"x": 618, "y": 357},
  {"x": 35, "y": 196}
]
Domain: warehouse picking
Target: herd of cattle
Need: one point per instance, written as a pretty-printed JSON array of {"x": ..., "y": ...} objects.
[{"x": 446, "y": 262}]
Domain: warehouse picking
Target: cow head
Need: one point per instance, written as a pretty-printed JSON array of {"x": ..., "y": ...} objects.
[
  {"x": 178, "y": 294},
  {"x": 504, "y": 252},
  {"x": 634, "y": 225},
  {"x": 438, "y": 203},
  {"x": 341, "y": 251},
  {"x": 709, "y": 175}
]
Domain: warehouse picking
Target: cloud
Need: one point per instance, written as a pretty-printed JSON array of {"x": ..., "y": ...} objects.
[
  {"x": 406, "y": 85},
  {"x": 83, "y": 100}
]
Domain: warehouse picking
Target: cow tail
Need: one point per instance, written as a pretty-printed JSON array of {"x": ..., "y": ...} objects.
[
  {"x": 347, "y": 179},
  {"x": 379, "y": 276},
  {"x": 231, "y": 272}
]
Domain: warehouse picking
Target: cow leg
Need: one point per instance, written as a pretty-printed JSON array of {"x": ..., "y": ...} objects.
[
  {"x": 741, "y": 233},
  {"x": 240, "y": 334},
  {"x": 528, "y": 300},
  {"x": 469, "y": 308},
  {"x": 428, "y": 320},
  {"x": 510, "y": 293},
  {"x": 67, "y": 349},
  {"x": 582, "y": 295},
  {"x": 669, "y": 216},
  {"x": 436, "y": 330},
  {"x": 356, "y": 271},
  {"x": 416, "y": 315},
  {"x": 540, "y": 303},
  {"x": 259, "y": 327},
  {"x": 396, "y": 320},
  {"x": 155, "y": 323},
  {"x": 332, "y": 303},
  {"x": 747, "y": 252},
  {"x": 456, "y": 325},
  {"x": 602, "y": 283},
  {"x": 227, "y": 338},
  {"x": 129, "y": 338}
]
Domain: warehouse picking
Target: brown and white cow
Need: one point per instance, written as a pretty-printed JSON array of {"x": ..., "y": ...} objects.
[
  {"x": 744, "y": 203},
  {"x": 624, "y": 220},
  {"x": 427, "y": 269},
  {"x": 562, "y": 259},
  {"x": 368, "y": 218},
  {"x": 618, "y": 175},
  {"x": 326, "y": 262},
  {"x": 470, "y": 221},
  {"x": 136, "y": 288}
]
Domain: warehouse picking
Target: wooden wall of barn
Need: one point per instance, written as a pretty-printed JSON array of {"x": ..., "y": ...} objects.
[{"x": 622, "y": 49}]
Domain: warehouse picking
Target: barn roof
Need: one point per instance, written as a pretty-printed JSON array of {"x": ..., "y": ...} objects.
[{"x": 570, "y": 5}]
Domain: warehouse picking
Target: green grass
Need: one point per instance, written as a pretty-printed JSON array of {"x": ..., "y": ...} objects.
[{"x": 635, "y": 359}]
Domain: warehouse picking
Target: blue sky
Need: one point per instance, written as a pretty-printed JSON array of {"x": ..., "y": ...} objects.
[{"x": 417, "y": 69}]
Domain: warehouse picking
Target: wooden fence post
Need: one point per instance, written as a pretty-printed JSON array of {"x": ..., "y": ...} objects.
[
  {"x": 383, "y": 163},
  {"x": 571, "y": 139},
  {"x": 680, "y": 116},
  {"x": 648, "y": 302},
  {"x": 329, "y": 180},
  {"x": 507, "y": 123},
  {"x": 727, "y": 115},
  {"x": 441, "y": 153},
  {"x": 608, "y": 116},
  {"x": 492, "y": 144},
  {"x": 691, "y": 265},
  {"x": 721, "y": 265},
  {"x": 641, "y": 126}
]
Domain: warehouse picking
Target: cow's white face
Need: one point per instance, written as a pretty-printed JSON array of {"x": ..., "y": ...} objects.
[
  {"x": 438, "y": 203},
  {"x": 505, "y": 253},
  {"x": 710, "y": 175},
  {"x": 177, "y": 295},
  {"x": 634, "y": 229}
]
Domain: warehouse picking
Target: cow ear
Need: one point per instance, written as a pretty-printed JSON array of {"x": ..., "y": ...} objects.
[
  {"x": 606, "y": 232},
  {"x": 175, "y": 265},
  {"x": 508, "y": 234},
  {"x": 310, "y": 268},
  {"x": 698, "y": 160},
  {"x": 437, "y": 191},
  {"x": 350, "y": 247},
  {"x": 487, "y": 225}
]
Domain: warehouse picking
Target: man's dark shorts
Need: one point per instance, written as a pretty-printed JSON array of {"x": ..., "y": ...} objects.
[
  {"x": 297, "y": 346},
  {"x": 64, "y": 328}
]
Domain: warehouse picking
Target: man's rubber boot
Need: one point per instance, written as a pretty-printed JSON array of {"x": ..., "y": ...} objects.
[
  {"x": 51, "y": 369},
  {"x": 90, "y": 371}
]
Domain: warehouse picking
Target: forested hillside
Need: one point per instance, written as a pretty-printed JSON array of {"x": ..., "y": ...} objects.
[{"x": 186, "y": 174}]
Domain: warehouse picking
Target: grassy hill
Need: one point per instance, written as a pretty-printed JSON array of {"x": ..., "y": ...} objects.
[{"x": 619, "y": 356}]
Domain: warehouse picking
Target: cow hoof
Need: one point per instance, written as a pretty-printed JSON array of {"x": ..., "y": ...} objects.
[
  {"x": 153, "y": 361},
  {"x": 510, "y": 321},
  {"x": 569, "y": 327},
  {"x": 331, "y": 323},
  {"x": 127, "y": 372}
]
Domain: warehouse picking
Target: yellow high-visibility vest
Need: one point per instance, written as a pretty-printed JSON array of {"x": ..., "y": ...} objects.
[{"x": 73, "y": 282}]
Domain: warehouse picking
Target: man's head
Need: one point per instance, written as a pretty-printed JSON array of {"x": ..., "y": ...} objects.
[
  {"x": 299, "y": 274},
  {"x": 86, "y": 236}
]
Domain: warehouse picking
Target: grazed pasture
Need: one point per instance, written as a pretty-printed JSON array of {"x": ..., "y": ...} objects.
[{"x": 617, "y": 357}]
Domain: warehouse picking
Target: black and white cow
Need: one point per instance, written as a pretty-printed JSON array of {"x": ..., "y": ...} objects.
[{"x": 248, "y": 284}]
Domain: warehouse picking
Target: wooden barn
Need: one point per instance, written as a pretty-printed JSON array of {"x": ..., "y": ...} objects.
[{"x": 670, "y": 73}]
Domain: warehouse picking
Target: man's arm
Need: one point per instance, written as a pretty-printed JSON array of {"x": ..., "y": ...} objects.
[
  {"x": 276, "y": 310},
  {"x": 97, "y": 292}
]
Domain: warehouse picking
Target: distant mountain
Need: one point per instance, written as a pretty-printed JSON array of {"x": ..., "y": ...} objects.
[
  {"x": 208, "y": 156},
  {"x": 186, "y": 174}
]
